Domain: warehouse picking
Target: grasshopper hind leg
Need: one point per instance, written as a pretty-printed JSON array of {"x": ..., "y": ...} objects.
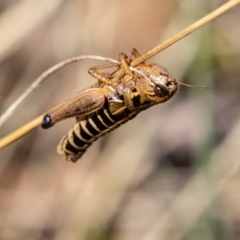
[{"x": 47, "y": 122}]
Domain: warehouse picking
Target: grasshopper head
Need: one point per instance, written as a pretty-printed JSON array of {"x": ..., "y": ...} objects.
[
  {"x": 163, "y": 85},
  {"x": 160, "y": 86}
]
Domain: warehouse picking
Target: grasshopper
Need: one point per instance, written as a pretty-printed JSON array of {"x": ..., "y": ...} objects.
[{"x": 110, "y": 102}]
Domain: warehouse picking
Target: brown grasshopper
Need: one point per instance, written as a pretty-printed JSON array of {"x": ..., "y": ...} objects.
[{"x": 110, "y": 102}]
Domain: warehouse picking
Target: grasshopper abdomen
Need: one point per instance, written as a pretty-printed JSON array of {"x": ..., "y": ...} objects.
[{"x": 89, "y": 129}]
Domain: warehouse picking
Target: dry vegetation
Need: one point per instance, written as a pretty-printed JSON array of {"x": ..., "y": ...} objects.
[{"x": 171, "y": 173}]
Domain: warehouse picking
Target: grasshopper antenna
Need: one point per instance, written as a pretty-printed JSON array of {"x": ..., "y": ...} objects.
[{"x": 192, "y": 86}]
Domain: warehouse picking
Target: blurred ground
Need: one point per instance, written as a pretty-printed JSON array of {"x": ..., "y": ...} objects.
[{"x": 171, "y": 173}]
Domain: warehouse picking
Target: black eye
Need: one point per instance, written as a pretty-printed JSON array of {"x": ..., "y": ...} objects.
[
  {"x": 161, "y": 90},
  {"x": 157, "y": 90}
]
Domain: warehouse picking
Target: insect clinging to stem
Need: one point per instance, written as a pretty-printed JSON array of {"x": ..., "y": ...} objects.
[{"x": 110, "y": 102}]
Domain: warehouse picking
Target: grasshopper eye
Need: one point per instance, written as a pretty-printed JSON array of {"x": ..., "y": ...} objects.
[
  {"x": 161, "y": 90},
  {"x": 157, "y": 90}
]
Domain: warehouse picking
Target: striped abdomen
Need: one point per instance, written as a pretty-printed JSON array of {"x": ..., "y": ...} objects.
[{"x": 87, "y": 130}]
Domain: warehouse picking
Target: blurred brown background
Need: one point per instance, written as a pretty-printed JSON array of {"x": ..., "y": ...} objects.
[{"x": 171, "y": 173}]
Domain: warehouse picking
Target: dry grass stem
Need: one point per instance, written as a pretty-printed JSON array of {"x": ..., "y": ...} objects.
[
  {"x": 20, "y": 132},
  {"x": 43, "y": 77},
  {"x": 219, "y": 11}
]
